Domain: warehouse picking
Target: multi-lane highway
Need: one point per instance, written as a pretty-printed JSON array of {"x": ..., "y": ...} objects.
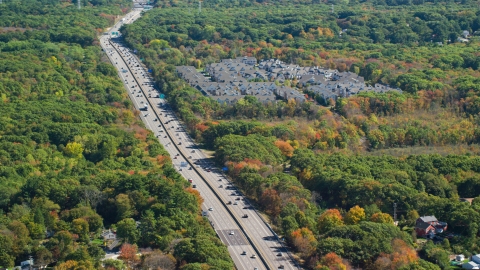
[{"x": 250, "y": 241}]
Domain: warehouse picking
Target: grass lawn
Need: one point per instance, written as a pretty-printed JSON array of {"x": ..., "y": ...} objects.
[{"x": 97, "y": 241}]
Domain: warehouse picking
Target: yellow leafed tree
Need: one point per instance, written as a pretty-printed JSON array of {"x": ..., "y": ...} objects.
[{"x": 74, "y": 149}]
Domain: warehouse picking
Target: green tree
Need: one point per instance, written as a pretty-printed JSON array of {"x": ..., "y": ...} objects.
[{"x": 127, "y": 230}]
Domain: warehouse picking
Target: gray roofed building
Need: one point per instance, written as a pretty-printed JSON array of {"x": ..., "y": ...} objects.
[{"x": 229, "y": 80}]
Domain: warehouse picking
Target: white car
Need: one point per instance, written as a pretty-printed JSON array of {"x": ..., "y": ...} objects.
[
  {"x": 232, "y": 232},
  {"x": 210, "y": 209}
]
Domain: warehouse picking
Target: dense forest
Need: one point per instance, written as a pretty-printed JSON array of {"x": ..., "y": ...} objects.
[
  {"x": 319, "y": 169},
  {"x": 75, "y": 159}
]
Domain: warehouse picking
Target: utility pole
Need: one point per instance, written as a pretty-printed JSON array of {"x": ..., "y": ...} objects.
[
  {"x": 78, "y": 4},
  {"x": 332, "y": 10},
  {"x": 394, "y": 212}
]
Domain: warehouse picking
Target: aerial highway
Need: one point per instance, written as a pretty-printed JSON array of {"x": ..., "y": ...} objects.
[{"x": 250, "y": 241}]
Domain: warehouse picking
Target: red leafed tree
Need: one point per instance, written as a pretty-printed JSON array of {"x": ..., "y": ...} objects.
[
  {"x": 271, "y": 202},
  {"x": 128, "y": 253}
]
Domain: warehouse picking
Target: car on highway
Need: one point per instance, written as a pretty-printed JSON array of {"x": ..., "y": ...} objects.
[
  {"x": 232, "y": 232},
  {"x": 210, "y": 209},
  {"x": 253, "y": 256},
  {"x": 235, "y": 203},
  {"x": 244, "y": 253},
  {"x": 190, "y": 180},
  {"x": 279, "y": 254},
  {"x": 245, "y": 216}
]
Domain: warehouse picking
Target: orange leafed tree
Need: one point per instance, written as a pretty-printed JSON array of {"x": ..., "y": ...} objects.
[
  {"x": 304, "y": 241},
  {"x": 329, "y": 220},
  {"x": 401, "y": 256},
  {"x": 332, "y": 261},
  {"x": 128, "y": 253},
  {"x": 196, "y": 194},
  {"x": 285, "y": 148}
]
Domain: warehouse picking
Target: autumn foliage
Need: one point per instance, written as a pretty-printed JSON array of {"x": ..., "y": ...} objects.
[
  {"x": 329, "y": 220},
  {"x": 401, "y": 256},
  {"x": 355, "y": 215},
  {"x": 332, "y": 261},
  {"x": 128, "y": 254},
  {"x": 304, "y": 241},
  {"x": 195, "y": 193},
  {"x": 381, "y": 218},
  {"x": 285, "y": 148},
  {"x": 271, "y": 202}
]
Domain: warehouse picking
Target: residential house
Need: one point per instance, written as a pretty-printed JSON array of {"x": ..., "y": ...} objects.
[
  {"x": 470, "y": 265},
  {"x": 429, "y": 226},
  {"x": 476, "y": 258},
  {"x": 109, "y": 235},
  {"x": 247, "y": 60},
  {"x": 424, "y": 229}
]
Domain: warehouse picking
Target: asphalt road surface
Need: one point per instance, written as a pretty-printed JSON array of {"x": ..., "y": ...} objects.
[{"x": 226, "y": 208}]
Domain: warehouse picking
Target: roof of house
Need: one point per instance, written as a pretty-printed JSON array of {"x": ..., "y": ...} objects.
[
  {"x": 470, "y": 265},
  {"x": 428, "y": 219},
  {"x": 423, "y": 225}
]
